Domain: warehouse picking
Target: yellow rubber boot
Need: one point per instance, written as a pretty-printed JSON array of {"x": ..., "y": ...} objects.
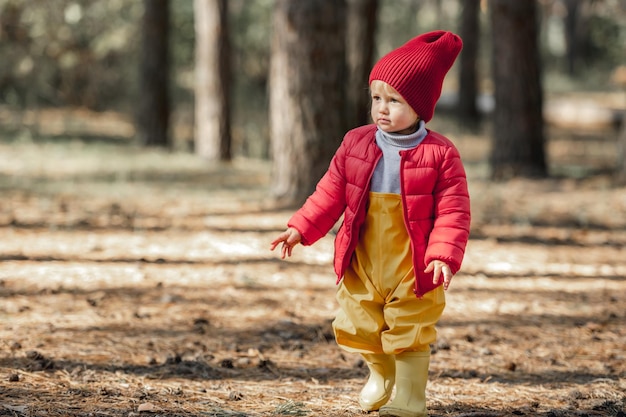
[
  {"x": 411, "y": 378},
  {"x": 379, "y": 386}
]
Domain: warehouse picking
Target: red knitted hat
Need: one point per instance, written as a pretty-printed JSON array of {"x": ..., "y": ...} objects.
[{"x": 416, "y": 69}]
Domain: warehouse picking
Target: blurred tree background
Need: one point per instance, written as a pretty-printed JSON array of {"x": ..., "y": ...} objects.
[
  {"x": 135, "y": 268},
  {"x": 84, "y": 55}
]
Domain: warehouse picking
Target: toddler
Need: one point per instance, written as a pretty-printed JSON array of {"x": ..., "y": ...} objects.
[{"x": 403, "y": 193}]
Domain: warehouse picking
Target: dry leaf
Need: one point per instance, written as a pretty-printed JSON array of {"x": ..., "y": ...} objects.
[
  {"x": 20, "y": 409},
  {"x": 147, "y": 408}
]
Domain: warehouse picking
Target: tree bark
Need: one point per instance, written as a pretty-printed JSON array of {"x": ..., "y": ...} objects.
[
  {"x": 468, "y": 75},
  {"x": 307, "y": 93},
  {"x": 571, "y": 34},
  {"x": 212, "y": 91},
  {"x": 360, "y": 37},
  {"x": 154, "y": 106},
  {"x": 518, "y": 142}
]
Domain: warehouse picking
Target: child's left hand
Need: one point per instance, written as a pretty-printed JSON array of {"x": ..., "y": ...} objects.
[{"x": 438, "y": 268}]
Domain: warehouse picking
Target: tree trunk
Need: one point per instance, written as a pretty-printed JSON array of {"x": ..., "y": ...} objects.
[
  {"x": 307, "y": 93},
  {"x": 154, "y": 107},
  {"x": 468, "y": 77},
  {"x": 360, "y": 39},
  {"x": 571, "y": 34},
  {"x": 518, "y": 134},
  {"x": 212, "y": 100}
]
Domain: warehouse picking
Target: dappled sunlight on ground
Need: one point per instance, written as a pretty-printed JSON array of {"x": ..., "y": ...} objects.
[{"x": 148, "y": 284}]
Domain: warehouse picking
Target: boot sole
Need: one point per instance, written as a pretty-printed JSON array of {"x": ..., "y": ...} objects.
[{"x": 367, "y": 406}]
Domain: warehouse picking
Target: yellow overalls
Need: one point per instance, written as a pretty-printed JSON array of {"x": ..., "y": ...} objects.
[{"x": 379, "y": 311}]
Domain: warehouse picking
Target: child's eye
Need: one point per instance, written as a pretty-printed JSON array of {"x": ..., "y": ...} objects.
[{"x": 375, "y": 98}]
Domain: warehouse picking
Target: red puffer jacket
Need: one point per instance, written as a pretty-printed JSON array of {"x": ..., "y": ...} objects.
[{"x": 434, "y": 196}]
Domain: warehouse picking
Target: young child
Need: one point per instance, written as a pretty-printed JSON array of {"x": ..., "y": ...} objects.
[{"x": 403, "y": 193}]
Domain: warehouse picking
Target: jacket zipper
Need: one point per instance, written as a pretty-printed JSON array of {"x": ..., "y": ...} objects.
[
  {"x": 344, "y": 264},
  {"x": 416, "y": 287}
]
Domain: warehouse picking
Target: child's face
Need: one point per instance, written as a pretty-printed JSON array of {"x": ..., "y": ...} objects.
[{"x": 390, "y": 111}]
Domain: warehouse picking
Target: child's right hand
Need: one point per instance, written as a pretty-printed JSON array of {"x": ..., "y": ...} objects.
[{"x": 289, "y": 238}]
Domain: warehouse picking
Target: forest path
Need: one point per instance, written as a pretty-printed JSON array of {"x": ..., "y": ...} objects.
[{"x": 137, "y": 282}]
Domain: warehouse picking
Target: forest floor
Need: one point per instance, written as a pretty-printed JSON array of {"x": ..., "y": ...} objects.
[{"x": 140, "y": 282}]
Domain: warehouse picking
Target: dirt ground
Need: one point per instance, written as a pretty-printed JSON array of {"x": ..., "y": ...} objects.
[{"x": 138, "y": 282}]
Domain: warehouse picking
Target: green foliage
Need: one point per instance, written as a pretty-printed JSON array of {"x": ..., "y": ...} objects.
[
  {"x": 399, "y": 20},
  {"x": 84, "y": 53},
  {"x": 65, "y": 52},
  {"x": 251, "y": 39},
  {"x": 605, "y": 44},
  {"x": 250, "y": 44}
]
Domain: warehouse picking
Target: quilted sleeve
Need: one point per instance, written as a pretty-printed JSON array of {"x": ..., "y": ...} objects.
[
  {"x": 324, "y": 207},
  {"x": 450, "y": 233}
]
